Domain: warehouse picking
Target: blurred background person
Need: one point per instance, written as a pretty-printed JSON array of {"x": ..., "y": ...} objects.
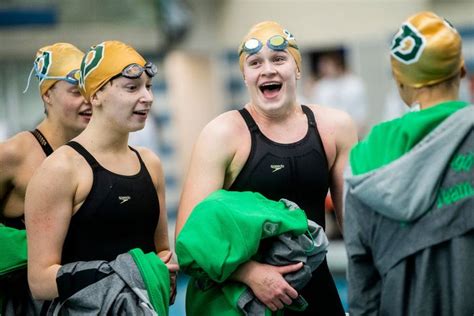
[{"x": 336, "y": 86}]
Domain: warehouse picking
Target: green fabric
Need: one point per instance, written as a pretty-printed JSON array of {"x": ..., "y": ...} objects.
[
  {"x": 222, "y": 232},
  {"x": 14, "y": 250},
  {"x": 13, "y": 254},
  {"x": 218, "y": 300},
  {"x": 209, "y": 302},
  {"x": 390, "y": 140},
  {"x": 156, "y": 278}
]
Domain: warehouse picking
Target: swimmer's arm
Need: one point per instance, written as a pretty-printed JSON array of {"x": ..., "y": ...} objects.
[
  {"x": 155, "y": 169},
  {"x": 210, "y": 159},
  {"x": 48, "y": 210}
]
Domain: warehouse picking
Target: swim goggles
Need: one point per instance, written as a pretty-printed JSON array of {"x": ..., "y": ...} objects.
[
  {"x": 276, "y": 42},
  {"x": 72, "y": 77},
  {"x": 134, "y": 71}
]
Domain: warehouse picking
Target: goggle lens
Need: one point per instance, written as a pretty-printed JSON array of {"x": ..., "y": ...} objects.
[
  {"x": 132, "y": 71},
  {"x": 151, "y": 69},
  {"x": 73, "y": 76},
  {"x": 277, "y": 42}
]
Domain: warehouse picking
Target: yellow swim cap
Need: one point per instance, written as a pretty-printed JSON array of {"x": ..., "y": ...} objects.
[
  {"x": 104, "y": 61},
  {"x": 56, "y": 60},
  {"x": 262, "y": 32},
  {"x": 426, "y": 50}
]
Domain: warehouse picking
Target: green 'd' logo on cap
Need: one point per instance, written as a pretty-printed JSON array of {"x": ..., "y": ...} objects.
[
  {"x": 90, "y": 62},
  {"x": 42, "y": 64},
  {"x": 408, "y": 44}
]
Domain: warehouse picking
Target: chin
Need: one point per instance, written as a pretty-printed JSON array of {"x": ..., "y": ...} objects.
[
  {"x": 272, "y": 104},
  {"x": 137, "y": 128}
]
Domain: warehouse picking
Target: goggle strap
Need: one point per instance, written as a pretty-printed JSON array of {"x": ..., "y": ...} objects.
[
  {"x": 292, "y": 45},
  {"x": 29, "y": 79}
]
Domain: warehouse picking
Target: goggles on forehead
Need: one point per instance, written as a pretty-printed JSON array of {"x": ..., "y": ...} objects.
[
  {"x": 276, "y": 42},
  {"x": 134, "y": 71},
  {"x": 72, "y": 77}
]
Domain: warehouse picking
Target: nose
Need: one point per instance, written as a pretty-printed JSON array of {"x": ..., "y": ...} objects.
[
  {"x": 147, "y": 95},
  {"x": 268, "y": 68}
]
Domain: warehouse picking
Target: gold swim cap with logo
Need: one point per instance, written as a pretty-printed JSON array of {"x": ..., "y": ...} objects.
[
  {"x": 56, "y": 60},
  {"x": 426, "y": 50},
  {"x": 262, "y": 32},
  {"x": 103, "y": 62}
]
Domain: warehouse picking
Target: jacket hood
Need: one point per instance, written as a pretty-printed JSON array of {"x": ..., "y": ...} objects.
[{"x": 405, "y": 189}]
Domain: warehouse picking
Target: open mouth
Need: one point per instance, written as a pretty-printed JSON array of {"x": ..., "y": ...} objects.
[
  {"x": 86, "y": 113},
  {"x": 270, "y": 89},
  {"x": 141, "y": 112}
]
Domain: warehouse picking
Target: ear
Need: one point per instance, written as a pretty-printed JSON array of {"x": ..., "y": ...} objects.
[
  {"x": 47, "y": 97},
  {"x": 298, "y": 75},
  {"x": 401, "y": 85},
  {"x": 95, "y": 99}
]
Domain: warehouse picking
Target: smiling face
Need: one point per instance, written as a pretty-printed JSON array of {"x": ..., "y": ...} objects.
[
  {"x": 271, "y": 77},
  {"x": 66, "y": 105},
  {"x": 125, "y": 103}
]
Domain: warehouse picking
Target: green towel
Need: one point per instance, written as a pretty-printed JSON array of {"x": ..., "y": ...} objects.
[
  {"x": 14, "y": 250},
  {"x": 222, "y": 232},
  {"x": 156, "y": 277},
  {"x": 13, "y": 253}
]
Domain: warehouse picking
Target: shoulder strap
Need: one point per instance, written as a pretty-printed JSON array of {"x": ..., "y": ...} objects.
[
  {"x": 253, "y": 127},
  {"x": 83, "y": 152},
  {"x": 310, "y": 115},
  {"x": 138, "y": 155},
  {"x": 48, "y": 150}
]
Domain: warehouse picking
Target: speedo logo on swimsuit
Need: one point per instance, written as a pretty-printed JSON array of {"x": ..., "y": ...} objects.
[
  {"x": 124, "y": 199},
  {"x": 275, "y": 168}
]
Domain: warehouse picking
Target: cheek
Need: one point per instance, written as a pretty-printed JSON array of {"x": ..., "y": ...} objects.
[
  {"x": 71, "y": 104},
  {"x": 251, "y": 82},
  {"x": 249, "y": 75}
]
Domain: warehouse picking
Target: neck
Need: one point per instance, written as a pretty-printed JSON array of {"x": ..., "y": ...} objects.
[
  {"x": 274, "y": 115},
  {"x": 428, "y": 97},
  {"x": 96, "y": 138},
  {"x": 55, "y": 135}
]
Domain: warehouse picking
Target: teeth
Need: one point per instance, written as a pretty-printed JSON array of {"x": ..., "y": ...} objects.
[{"x": 270, "y": 84}]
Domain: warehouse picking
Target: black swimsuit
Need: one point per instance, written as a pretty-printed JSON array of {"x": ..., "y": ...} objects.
[
  {"x": 48, "y": 150},
  {"x": 298, "y": 172},
  {"x": 120, "y": 213},
  {"x": 18, "y": 222}
]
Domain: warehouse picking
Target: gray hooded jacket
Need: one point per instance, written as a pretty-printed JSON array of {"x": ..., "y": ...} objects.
[
  {"x": 409, "y": 228},
  {"x": 101, "y": 288}
]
